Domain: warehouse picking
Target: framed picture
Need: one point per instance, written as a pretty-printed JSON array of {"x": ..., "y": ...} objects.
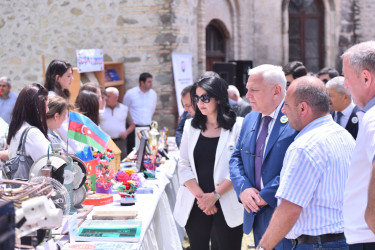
[{"x": 140, "y": 154}]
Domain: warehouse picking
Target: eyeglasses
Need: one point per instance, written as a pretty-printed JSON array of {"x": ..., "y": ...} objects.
[
  {"x": 41, "y": 88},
  {"x": 288, "y": 84},
  {"x": 204, "y": 98}
]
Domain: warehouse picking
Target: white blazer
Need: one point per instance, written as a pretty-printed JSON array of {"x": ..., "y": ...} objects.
[{"x": 232, "y": 209}]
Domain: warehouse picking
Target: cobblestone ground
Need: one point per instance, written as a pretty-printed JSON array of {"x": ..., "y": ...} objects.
[{"x": 246, "y": 241}]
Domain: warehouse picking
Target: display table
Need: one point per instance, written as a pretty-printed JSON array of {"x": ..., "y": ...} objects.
[{"x": 159, "y": 230}]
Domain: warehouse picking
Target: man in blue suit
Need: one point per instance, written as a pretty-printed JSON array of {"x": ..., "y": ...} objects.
[{"x": 257, "y": 160}]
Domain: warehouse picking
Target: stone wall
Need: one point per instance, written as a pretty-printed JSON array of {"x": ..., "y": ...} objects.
[
  {"x": 139, "y": 33},
  {"x": 144, "y": 33}
]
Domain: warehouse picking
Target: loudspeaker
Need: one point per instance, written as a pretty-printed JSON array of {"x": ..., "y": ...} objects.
[
  {"x": 227, "y": 71},
  {"x": 242, "y": 68}
]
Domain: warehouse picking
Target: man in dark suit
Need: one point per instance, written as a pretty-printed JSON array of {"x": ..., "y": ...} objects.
[
  {"x": 340, "y": 102},
  {"x": 240, "y": 106},
  {"x": 257, "y": 160}
]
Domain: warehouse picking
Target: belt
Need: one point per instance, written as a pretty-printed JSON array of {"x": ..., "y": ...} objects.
[
  {"x": 308, "y": 239},
  {"x": 142, "y": 125},
  {"x": 116, "y": 139}
]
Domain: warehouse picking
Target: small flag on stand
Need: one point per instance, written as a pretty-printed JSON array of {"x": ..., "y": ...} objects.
[{"x": 82, "y": 129}]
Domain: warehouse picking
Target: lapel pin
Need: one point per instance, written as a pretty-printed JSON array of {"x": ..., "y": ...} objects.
[
  {"x": 284, "y": 119},
  {"x": 231, "y": 147},
  {"x": 355, "y": 120}
]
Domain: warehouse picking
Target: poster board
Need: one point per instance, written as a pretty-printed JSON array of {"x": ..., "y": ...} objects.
[
  {"x": 183, "y": 75},
  {"x": 89, "y": 60}
]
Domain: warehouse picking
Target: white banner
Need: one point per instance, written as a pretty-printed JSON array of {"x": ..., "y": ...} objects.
[
  {"x": 89, "y": 60},
  {"x": 183, "y": 75}
]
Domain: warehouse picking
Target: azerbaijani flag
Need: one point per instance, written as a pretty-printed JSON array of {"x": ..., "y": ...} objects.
[{"x": 82, "y": 129}]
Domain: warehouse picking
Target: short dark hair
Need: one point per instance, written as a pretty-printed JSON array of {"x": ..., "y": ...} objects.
[
  {"x": 57, "y": 67},
  {"x": 143, "y": 77},
  {"x": 89, "y": 87},
  {"x": 330, "y": 71},
  {"x": 314, "y": 95},
  {"x": 30, "y": 107},
  {"x": 186, "y": 90},
  {"x": 295, "y": 68},
  {"x": 87, "y": 103},
  {"x": 215, "y": 87}
]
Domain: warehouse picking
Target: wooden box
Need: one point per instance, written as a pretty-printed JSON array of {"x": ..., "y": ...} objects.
[{"x": 115, "y": 163}]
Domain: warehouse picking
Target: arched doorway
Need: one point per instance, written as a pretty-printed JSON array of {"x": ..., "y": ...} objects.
[
  {"x": 306, "y": 33},
  {"x": 215, "y": 44}
]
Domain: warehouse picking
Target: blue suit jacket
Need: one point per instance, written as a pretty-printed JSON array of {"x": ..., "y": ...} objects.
[{"x": 242, "y": 163}]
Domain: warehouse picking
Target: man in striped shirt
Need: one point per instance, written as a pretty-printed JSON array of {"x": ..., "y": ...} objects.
[{"x": 314, "y": 173}]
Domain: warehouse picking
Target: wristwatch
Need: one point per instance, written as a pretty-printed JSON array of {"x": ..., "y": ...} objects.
[
  {"x": 217, "y": 195},
  {"x": 260, "y": 248}
]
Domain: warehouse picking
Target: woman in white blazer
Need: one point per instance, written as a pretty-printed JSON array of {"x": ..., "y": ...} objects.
[{"x": 207, "y": 205}]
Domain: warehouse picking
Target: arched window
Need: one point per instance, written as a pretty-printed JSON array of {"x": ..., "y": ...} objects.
[
  {"x": 306, "y": 33},
  {"x": 215, "y": 45}
]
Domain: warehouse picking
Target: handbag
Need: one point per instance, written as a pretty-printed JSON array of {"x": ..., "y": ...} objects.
[{"x": 19, "y": 166}]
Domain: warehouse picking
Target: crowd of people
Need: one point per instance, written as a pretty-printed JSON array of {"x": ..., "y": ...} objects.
[
  {"x": 44, "y": 110},
  {"x": 299, "y": 165},
  {"x": 293, "y": 165}
]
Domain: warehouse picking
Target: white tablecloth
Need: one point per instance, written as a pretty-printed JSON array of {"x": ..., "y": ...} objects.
[{"x": 159, "y": 230}]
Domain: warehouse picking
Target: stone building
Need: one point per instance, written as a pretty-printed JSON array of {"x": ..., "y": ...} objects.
[{"x": 144, "y": 33}]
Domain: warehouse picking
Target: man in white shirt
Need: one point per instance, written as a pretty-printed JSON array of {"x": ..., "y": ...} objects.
[
  {"x": 141, "y": 101},
  {"x": 359, "y": 72},
  {"x": 340, "y": 102},
  {"x": 113, "y": 120}
]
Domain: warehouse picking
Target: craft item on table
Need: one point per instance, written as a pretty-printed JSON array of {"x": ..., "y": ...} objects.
[
  {"x": 150, "y": 168},
  {"x": 100, "y": 246},
  {"x": 128, "y": 182},
  {"x": 104, "y": 175},
  {"x": 98, "y": 199},
  {"x": 163, "y": 138},
  {"x": 109, "y": 230},
  {"x": 86, "y": 156},
  {"x": 115, "y": 214}
]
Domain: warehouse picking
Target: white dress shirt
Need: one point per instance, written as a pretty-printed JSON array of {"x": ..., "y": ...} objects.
[
  {"x": 356, "y": 190},
  {"x": 141, "y": 105},
  {"x": 273, "y": 115},
  {"x": 113, "y": 121},
  {"x": 346, "y": 115}
]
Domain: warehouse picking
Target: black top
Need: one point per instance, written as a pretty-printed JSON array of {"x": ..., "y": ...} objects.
[{"x": 204, "y": 159}]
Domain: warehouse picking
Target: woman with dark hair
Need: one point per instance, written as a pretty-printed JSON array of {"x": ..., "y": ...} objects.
[
  {"x": 93, "y": 87},
  {"x": 207, "y": 204},
  {"x": 87, "y": 103},
  {"x": 59, "y": 76},
  {"x": 30, "y": 110}
]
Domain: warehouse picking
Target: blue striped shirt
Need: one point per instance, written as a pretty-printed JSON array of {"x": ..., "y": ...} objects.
[{"x": 314, "y": 174}]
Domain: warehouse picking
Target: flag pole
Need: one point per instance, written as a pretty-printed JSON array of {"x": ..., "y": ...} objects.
[{"x": 67, "y": 144}]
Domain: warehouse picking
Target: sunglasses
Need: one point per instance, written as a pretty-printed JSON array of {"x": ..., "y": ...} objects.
[
  {"x": 41, "y": 88},
  {"x": 204, "y": 98}
]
